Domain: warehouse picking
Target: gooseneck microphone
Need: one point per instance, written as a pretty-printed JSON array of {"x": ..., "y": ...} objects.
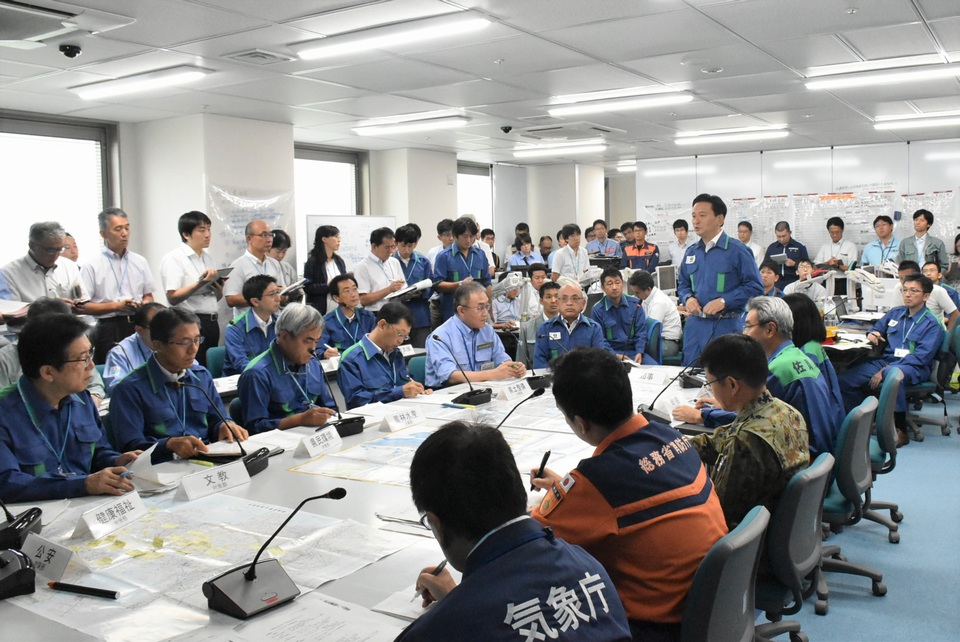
[
  {"x": 13, "y": 532},
  {"x": 536, "y": 393},
  {"x": 473, "y": 397},
  {"x": 345, "y": 427},
  {"x": 251, "y": 589},
  {"x": 183, "y": 384}
]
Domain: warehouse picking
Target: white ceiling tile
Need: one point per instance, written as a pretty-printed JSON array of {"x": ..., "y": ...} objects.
[
  {"x": 907, "y": 91},
  {"x": 194, "y": 102},
  {"x": 142, "y": 63},
  {"x": 39, "y": 103},
  {"x": 948, "y": 30},
  {"x": 377, "y": 106},
  {"x": 734, "y": 60},
  {"x": 55, "y": 83},
  {"x": 520, "y": 55},
  {"x": 943, "y": 103},
  {"x": 95, "y": 49},
  {"x": 541, "y": 15},
  {"x": 371, "y": 14},
  {"x": 123, "y": 113},
  {"x": 813, "y": 51},
  {"x": 891, "y": 42},
  {"x": 472, "y": 92},
  {"x": 164, "y": 23},
  {"x": 272, "y": 38},
  {"x": 284, "y": 10},
  {"x": 290, "y": 90},
  {"x": 765, "y": 84},
  {"x": 779, "y": 102},
  {"x": 395, "y": 74},
  {"x": 19, "y": 70},
  {"x": 575, "y": 80},
  {"x": 935, "y": 9}
]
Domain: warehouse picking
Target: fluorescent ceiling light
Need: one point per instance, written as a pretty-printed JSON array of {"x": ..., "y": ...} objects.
[
  {"x": 730, "y": 130},
  {"x": 598, "y": 140},
  {"x": 732, "y": 138},
  {"x": 873, "y": 65},
  {"x": 558, "y": 151},
  {"x": 429, "y": 124},
  {"x": 141, "y": 82},
  {"x": 566, "y": 99},
  {"x": 414, "y": 31},
  {"x": 816, "y": 163},
  {"x": 626, "y": 168},
  {"x": 942, "y": 156},
  {"x": 891, "y": 77},
  {"x": 620, "y": 104},
  {"x": 930, "y": 114},
  {"x": 918, "y": 123},
  {"x": 679, "y": 171}
]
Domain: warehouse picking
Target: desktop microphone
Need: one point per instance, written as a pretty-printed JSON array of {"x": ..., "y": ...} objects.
[
  {"x": 248, "y": 590},
  {"x": 255, "y": 462},
  {"x": 473, "y": 397},
  {"x": 14, "y": 531},
  {"x": 536, "y": 393},
  {"x": 345, "y": 427}
]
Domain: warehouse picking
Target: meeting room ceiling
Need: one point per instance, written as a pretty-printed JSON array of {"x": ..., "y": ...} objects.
[{"x": 744, "y": 64}]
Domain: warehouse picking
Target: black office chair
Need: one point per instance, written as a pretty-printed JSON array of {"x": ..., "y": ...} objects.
[
  {"x": 843, "y": 505},
  {"x": 794, "y": 542},
  {"x": 721, "y": 598},
  {"x": 883, "y": 454}
]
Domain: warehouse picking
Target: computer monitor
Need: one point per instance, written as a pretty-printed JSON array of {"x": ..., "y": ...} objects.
[{"x": 667, "y": 277}]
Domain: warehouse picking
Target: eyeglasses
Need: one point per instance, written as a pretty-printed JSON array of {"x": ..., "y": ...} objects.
[
  {"x": 273, "y": 293},
  {"x": 754, "y": 325},
  {"x": 49, "y": 250},
  {"x": 424, "y": 521},
  {"x": 403, "y": 336},
  {"x": 707, "y": 384},
  {"x": 571, "y": 299},
  {"x": 480, "y": 308},
  {"x": 84, "y": 358},
  {"x": 186, "y": 343},
  {"x": 913, "y": 290},
  {"x": 264, "y": 235}
]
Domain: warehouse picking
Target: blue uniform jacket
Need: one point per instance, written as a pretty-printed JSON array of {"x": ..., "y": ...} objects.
[
  {"x": 418, "y": 269},
  {"x": 728, "y": 271},
  {"x": 607, "y": 248},
  {"x": 553, "y": 339},
  {"x": 474, "y": 349},
  {"x": 820, "y": 359},
  {"x": 244, "y": 341},
  {"x": 451, "y": 266},
  {"x": 624, "y": 326},
  {"x": 952, "y": 293},
  {"x": 507, "y": 585},
  {"x": 31, "y": 435},
  {"x": 921, "y": 334},
  {"x": 517, "y": 259},
  {"x": 795, "y": 251},
  {"x": 270, "y": 389},
  {"x": 367, "y": 375},
  {"x": 876, "y": 254},
  {"x": 341, "y": 332},
  {"x": 124, "y": 358},
  {"x": 145, "y": 410}
]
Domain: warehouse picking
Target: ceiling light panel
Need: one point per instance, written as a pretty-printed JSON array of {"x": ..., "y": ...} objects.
[{"x": 138, "y": 83}]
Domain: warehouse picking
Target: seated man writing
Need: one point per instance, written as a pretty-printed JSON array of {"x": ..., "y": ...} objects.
[
  {"x": 466, "y": 338},
  {"x": 373, "y": 369},
  {"x": 285, "y": 386},
  {"x": 251, "y": 333},
  {"x": 568, "y": 329},
  {"x": 150, "y": 407},
  {"x": 643, "y": 504},
  {"x": 52, "y": 444},
  {"x": 466, "y": 485}
]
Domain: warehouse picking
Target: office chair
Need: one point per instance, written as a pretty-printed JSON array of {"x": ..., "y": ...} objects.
[
  {"x": 720, "y": 602},
  {"x": 934, "y": 387},
  {"x": 654, "y": 346},
  {"x": 236, "y": 413},
  {"x": 215, "y": 358},
  {"x": 418, "y": 369},
  {"x": 883, "y": 454}
]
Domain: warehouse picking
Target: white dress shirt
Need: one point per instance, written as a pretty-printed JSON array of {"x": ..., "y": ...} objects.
[
  {"x": 246, "y": 266},
  {"x": 660, "y": 307},
  {"x": 372, "y": 275},
  {"x": 571, "y": 264},
  {"x": 111, "y": 277},
  {"x": 844, "y": 250},
  {"x": 182, "y": 267},
  {"x": 29, "y": 281}
]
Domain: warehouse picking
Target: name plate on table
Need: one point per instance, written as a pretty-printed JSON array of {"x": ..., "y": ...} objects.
[
  {"x": 318, "y": 443},
  {"x": 213, "y": 480},
  {"x": 104, "y": 519},
  {"x": 407, "y": 350},
  {"x": 515, "y": 390},
  {"x": 49, "y": 559},
  {"x": 401, "y": 419},
  {"x": 649, "y": 376},
  {"x": 331, "y": 364}
]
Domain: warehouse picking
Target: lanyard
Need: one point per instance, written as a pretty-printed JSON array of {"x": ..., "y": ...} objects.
[
  {"x": 471, "y": 354},
  {"x": 408, "y": 271},
  {"x": 294, "y": 375},
  {"x": 393, "y": 366},
  {"x": 182, "y": 418},
  {"x": 464, "y": 261},
  {"x": 906, "y": 335},
  {"x": 356, "y": 331},
  {"x": 262, "y": 268},
  {"x": 36, "y": 424},
  {"x": 123, "y": 273}
]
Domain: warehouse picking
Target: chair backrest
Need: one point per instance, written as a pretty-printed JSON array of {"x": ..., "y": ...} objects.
[
  {"x": 721, "y": 599},
  {"x": 215, "y": 358},
  {"x": 852, "y": 470},
  {"x": 418, "y": 369},
  {"x": 100, "y": 368},
  {"x": 654, "y": 347},
  {"x": 591, "y": 301},
  {"x": 945, "y": 363},
  {"x": 235, "y": 411},
  {"x": 794, "y": 537},
  {"x": 885, "y": 429}
]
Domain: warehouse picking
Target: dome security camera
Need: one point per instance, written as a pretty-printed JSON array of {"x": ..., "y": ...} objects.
[
  {"x": 506, "y": 129},
  {"x": 70, "y": 51}
]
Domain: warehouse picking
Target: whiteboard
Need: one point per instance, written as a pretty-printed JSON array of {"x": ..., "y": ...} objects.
[{"x": 354, "y": 234}]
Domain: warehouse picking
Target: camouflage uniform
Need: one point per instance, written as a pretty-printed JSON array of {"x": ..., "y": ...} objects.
[{"x": 753, "y": 458}]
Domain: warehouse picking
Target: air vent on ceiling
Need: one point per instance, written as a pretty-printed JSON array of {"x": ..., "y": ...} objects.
[
  {"x": 259, "y": 57},
  {"x": 567, "y": 132},
  {"x": 20, "y": 21}
]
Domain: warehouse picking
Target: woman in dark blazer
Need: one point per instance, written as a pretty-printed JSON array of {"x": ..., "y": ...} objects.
[{"x": 322, "y": 265}]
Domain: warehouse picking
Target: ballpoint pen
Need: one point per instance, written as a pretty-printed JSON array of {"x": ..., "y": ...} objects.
[
  {"x": 442, "y": 565},
  {"x": 543, "y": 464}
]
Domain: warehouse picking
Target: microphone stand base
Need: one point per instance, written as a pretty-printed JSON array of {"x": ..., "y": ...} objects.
[
  {"x": 474, "y": 397},
  {"x": 537, "y": 382},
  {"x": 652, "y": 415},
  {"x": 233, "y": 594},
  {"x": 349, "y": 426}
]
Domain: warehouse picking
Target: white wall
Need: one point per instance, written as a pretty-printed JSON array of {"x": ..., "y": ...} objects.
[
  {"x": 551, "y": 198},
  {"x": 414, "y": 186},
  {"x": 509, "y": 204},
  {"x": 621, "y": 199},
  {"x": 590, "y": 195}
]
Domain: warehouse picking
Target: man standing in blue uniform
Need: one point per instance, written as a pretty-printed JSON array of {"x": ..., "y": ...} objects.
[
  {"x": 717, "y": 277},
  {"x": 461, "y": 262},
  {"x": 603, "y": 245},
  {"x": 519, "y": 581},
  {"x": 52, "y": 444},
  {"x": 911, "y": 337},
  {"x": 568, "y": 329},
  {"x": 149, "y": 407},
  {"x": 285, "y": 386},
  {"x": 467, "y": 338},
  {"x": 790, "y": 251},
  {"x": 344, "y": 325},
  {"x": 251, "y": 333},
  {"x": 622, "y": 319},
  {"x": 416, "y": 268},
  {"x": 373, "y": 369}
]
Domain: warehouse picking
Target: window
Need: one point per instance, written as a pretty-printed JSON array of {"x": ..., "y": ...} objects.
[
  {"x": 53, "y": 172},
  {"x": 475, "y": 193},
  {"x": 324, "y": 183}
]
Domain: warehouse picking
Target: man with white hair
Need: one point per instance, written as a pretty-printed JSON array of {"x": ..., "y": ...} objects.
[{"x": 43, "y": 272}]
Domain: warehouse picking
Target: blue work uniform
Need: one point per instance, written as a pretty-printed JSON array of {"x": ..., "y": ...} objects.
[
  {"x": 340, "y": 332},
  {"x": 774, "y": 292},
  {"x": 146, "y": 410},
  {"x": 624, "y": 326},
  {"x": 271, "y": 389},
  {"x": 415, "y": 270},
  {"x": 728, "y": 270},
  {"x": 367, "y": 374},
  {"x": 606, "y": 248},
  {"x": 952, "y": 293},
  {"x": 553, "y": 339},
  {"x": 920, "y": 335},
  {"x": 876, "y": 253},
  {"x": 124, "y": 358},
  {"x": 452, "y": 266},
  {"x": 476, "y": 350},
  {"x": 508, "y": 583},
  {"x": 795, "y": 252},
  {"x": 47, "y": 452},
  {"x": 820, "y": 359},
  {"x": 519, "y": 259},
  {"x": 244, "y": 340},
  {"x": 644, "y": 257}
]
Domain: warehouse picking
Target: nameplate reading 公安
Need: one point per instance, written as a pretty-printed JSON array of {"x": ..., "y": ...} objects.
[{"x": 49, "y": 559}]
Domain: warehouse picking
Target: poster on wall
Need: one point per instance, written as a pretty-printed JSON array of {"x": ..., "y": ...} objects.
[{"x": 232, "y": 208}]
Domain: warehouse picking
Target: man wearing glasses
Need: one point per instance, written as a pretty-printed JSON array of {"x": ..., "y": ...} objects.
[
  {"x": 42, "y": 272},
  {"x": 911, "y": 337},
  {"x": 52, "y": 443},
  {"x": 380, "y": 273},
  {"x": 251, "y": 333},
  {"x": 568, "y": 329},
  {"x": 886, "y": 247},
  {"x": 150, "y": 407},
  {"x": 254, "y": 261},
  {"x": 469, "y": 340},
  {"x": 373, "y": 368}
]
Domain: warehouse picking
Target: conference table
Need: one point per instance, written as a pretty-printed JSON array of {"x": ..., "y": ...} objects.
[{"x": 347, "y": 556}]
